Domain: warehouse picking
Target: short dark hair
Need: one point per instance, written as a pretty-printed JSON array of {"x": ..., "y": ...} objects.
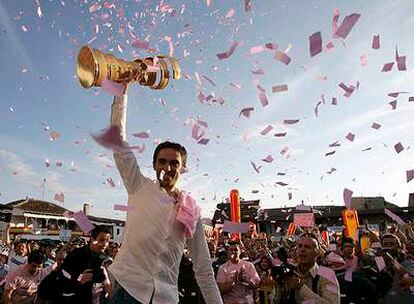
[
  {"x": 348, "y": 240},
  {"x": 98, "y": 229},
  {"x": 36, "y": 256},
  {"x": 170, "y": 145}
]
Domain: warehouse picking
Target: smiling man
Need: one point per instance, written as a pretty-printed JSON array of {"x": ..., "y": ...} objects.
[
  {"x": 311, "y": 282},
  {"x": 161, "y": 221}
]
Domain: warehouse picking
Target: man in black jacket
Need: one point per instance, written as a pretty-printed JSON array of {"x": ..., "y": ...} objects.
[{"x": 81, "y": 277}]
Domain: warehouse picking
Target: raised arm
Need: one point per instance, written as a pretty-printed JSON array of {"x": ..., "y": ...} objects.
[
  {"x": 202, "y": 266},
  {"x": 125, "y": 159}
]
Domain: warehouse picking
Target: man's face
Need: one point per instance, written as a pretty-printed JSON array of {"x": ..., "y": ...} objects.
[
  {"x": 348, "y": 250},
  {"x": 21, "y": 249},
  {"x": 34, "y": 268},
  {"x": 168, "y": 166},
  {"x": 101, "y": 242},
  {"x": 234, "y": 252},
  {"x": 306, "y": 251}
]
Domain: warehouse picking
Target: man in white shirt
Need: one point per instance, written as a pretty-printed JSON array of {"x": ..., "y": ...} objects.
[
  {"x": 18, "y": 255},
  {"x": 160, "y": 221}
]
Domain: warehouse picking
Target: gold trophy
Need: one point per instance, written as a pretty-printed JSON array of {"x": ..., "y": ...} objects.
[{"x": 93, "y": 66}]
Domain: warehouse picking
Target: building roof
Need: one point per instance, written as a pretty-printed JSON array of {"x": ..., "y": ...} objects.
[
  {"x": 48, "y": 208},
  {"x": 106, "y": 220},
  {"x": 37, "y": 206}
]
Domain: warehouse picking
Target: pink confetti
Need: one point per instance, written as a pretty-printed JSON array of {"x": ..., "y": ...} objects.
[
  {"x": 54, "y": 135},
  {"x": 348, "y": 90},
  {"x": 290, "y": 121},
  {"x": 246, "y": 112},
  {"x": 387, "y": 67},
  {"x": 263, "y": 99},
  {"x": 39, "y": 12},
  {"x": 282, "y": 57},
  {"x": 271, "y": 46},
  {"x": 257, "y": 49},
  {"x": 209, "y": 80},
  {"x": 348, "y": 275},
  {"x": 113, "y": 88},
  {"x": 195, "y": 132},
  {"x": 398, "y": 147},
  {"x": 229, "y": 52},
  {"x": 347, "y": 25},
  {"x": 230, "y": 13},
  {"x": 236, "y": 86},
  {"x": 258, "y": 72},
  {"x": 283, "y": 134},
  {"x": 59, "y": 197},
  {"x": 268, "y": 159},
  {"x": 316, "y": 110},
  {"x": 111, "y": 183},
  {"x": 401, "y": 65},
  {"x": 330, "y": 153},
  {"x": 410, "y": 175},
  {"x": 350, "y": 137},
  {"x": 375, "y": 126},
  {"x": 83, "y": 221},
  {"x": 335, "y": 22},
  {"x": 363, "y": 60},
  {"x": 329, "y": 46},
  {"x": 379, "y": 260},
  {"x": 247, "y": 5},
  {"x": 59, "y": 163},
  {"x": 257, "y": 169},
  {"x": 315, "y": 44},
  {"x": 110, "y": 138},
  {"x": 140, "y": 44},
  {"x": 393, "y": 104},
  {"x": 201, "y": 97},
  {"x": 395, "y": 94},
  {"x": 279, "y": 88},
  {"x": 142, "y": 135},
  {"x": 203, "y": 141},
  {"x": 209, "y": 2},
  {"x": 124, "y": 208},
  {"x": 376, "y": 42},
  {"x": 347, "y": 197},
  {"x": 284, "y": 151},
  {"x": 335, "y": 144},
  {"x": 266, "y": 130}
]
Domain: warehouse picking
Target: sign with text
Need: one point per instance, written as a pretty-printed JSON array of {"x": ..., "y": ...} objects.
[{"x": 65, "y": 235}]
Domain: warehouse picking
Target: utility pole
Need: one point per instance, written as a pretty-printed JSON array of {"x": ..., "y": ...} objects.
[{"x": 43, "y": 186}]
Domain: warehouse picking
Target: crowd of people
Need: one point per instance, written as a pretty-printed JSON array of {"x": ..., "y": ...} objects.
[
  {"x": 249, "y": 268},
  {"x": 308, "y": 268},
  {"x": 49, "y": 271}
]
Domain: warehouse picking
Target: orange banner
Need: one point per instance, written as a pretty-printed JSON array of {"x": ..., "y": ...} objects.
[
  {"x": 350, "y": 218},
  {"x": 235, "y": 210}
]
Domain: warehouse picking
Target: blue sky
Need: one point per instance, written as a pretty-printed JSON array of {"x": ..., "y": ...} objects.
[{"x": 40, "y": 94}]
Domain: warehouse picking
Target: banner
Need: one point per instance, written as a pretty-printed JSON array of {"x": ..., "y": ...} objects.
[
  {"x": 304, "y": 219},
  {"x": 350, "y": 219},
  {"x": 235, "y": 227}
]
